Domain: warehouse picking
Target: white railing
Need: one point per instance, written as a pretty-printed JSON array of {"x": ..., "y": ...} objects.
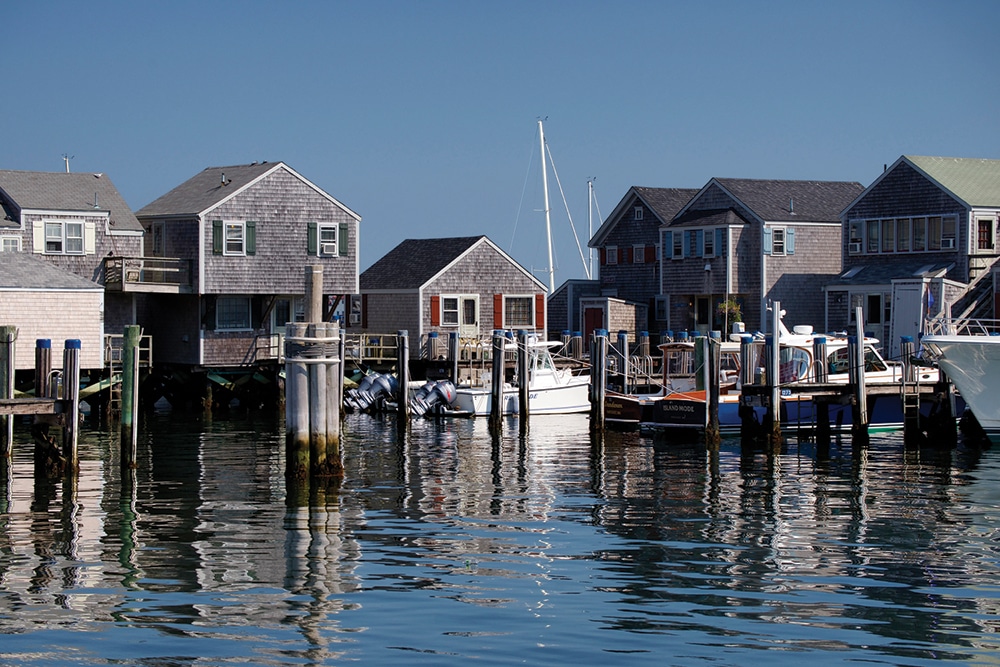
[{"x": 948, "y": 326}]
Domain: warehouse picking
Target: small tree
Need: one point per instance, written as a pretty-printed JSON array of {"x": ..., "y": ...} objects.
[{"x": 729, "y": 311}]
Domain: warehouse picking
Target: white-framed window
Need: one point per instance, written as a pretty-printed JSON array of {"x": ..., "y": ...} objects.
[
  {"x": 778, "y": 241},
  {"x": 63, "y": 238},
  {"x": 637, "y": 212},
  {"x": 611, "y": 252},
  {"x": 235, "y": 238},
  {"x": 232, "y": 313},
  {"x": 519, "y": 312},
  {"x": 903, "y": 235},
  {"x": 328, "y": 240},
  {"x": 985, "y": 235},
  {"x": 449, "y": 311},
  {"x": 873, "y": 229},
  {"x": 708, "y": 245},
  {"x": 10, "y": 244},
  {"x": 678, "y": 250},
  {"x": 638, "y": 254},
  {"x": 933, "y": 233}
]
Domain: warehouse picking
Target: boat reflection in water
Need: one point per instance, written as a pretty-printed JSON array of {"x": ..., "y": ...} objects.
[{"x": 450, "y": 542}]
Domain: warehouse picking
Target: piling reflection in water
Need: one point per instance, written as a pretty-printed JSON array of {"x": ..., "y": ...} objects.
[{"x": 542, "y": 544}]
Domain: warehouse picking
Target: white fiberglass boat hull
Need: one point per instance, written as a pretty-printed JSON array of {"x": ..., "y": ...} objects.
[
  {"x": 571, "y": 397},
  {"x": 973, "y": 365}
]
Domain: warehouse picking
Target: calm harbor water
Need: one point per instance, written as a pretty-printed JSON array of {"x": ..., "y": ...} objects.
[{"x": 453, "y": 547}]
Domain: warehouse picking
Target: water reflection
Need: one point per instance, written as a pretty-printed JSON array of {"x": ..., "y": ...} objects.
[{"x": 454, "y": 541}]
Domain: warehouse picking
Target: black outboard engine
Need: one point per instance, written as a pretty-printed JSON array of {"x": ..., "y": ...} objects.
[
  {"x": 371, "y": 393},
  {"x": 433, "y": 395}
]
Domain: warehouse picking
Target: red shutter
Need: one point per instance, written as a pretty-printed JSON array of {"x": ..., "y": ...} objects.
[
  {"x": 650, "y": 254},
  {"x": 435, "y": 311},
  {"x": 604, "y": 256},
  {"x": 498, "y": 311},
  {"x": 539, "y": 312}
]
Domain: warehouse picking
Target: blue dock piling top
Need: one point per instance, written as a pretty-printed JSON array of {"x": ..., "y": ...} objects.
[
  {"x": 43, "y": 343},
  {"x": 73, "y": 344}
]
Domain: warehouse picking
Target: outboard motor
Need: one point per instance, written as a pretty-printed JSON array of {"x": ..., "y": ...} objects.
[
  {"x": 434, "y": 394},
  {"x": 371, "y": 391}
]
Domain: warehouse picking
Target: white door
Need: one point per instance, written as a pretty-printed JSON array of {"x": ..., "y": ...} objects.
[
  {"x": 468, "y": 306},
  {"x": 907, "y": 313}
]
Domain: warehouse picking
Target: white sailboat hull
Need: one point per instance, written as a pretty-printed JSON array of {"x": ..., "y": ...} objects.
[
  {"x": 972, "y": 363},
  {"x": 571, "y": 397}
]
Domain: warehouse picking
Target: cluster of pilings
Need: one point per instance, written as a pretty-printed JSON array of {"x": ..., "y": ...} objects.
[{"x": 56, "y": 403}]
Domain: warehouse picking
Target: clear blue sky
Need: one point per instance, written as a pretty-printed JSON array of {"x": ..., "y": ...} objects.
[{"x": 421, "y": 116}]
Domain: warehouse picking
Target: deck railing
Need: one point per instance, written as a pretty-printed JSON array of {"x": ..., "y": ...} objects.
[
  {"x": 949, "y": 326},
  {"x": 131, "y": 273}
]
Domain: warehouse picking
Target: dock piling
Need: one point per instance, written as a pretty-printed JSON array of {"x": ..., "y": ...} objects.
[
  {"x": 8, "y": 335},
  {"x": 496, "y": 380}
]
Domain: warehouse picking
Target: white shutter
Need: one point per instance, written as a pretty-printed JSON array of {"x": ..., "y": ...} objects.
[
  {"x": 89, "y": 238},
  {"x": 38, "y": 236}
]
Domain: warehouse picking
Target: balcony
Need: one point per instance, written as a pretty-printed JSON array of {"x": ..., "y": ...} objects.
[{"x": 165, "y": 275}]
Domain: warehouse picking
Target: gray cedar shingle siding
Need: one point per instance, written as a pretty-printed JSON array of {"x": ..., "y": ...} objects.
[
  {"x": 811, "y": 208},
  {"x": 282, "y": 204},
  {"x": 399, "y": 288},
  {"x": 904, "y": 192},
  {"x": 626, "y": 278},
  {"x": 71, "y": 197}
]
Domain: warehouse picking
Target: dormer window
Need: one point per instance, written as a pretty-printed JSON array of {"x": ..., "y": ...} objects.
[{"x": 63, "y": 238}]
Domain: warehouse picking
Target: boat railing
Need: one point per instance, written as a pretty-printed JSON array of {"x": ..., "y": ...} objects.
[{"x": 949, "y": 326}]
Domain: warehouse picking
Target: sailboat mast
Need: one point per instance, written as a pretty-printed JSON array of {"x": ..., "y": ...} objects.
[
  {"x": 548, "y": 221},
  {"x": 590, "y": 223}
]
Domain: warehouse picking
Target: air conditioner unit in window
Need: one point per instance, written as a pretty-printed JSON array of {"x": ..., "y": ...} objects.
[
  {"x": 355, "y": 318},
  {"x": 854, "y": 247},
  {"x": 328, "y": 248},
  {"x": 947, "y": 244}
]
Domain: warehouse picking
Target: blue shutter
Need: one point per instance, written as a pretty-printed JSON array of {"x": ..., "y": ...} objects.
[
  {"x": 342, "y": 239},
  {"x": 766, "y": 240},
  {"x": 667, "y": 246},
  {"x": 251, "y": 228},
  {"x": 790, "y": 241},
  {"x": 720, "y": 241},
  {"x": 699, "y": 243},
  {"x": 686, "y": 245}
]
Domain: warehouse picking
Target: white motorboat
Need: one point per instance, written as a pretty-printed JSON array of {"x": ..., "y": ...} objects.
[
  {"x": 551, "y": 390},
  {"x": 968, "y": 351}
]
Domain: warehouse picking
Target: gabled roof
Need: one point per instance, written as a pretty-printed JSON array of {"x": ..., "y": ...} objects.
[
  {"x": 415, "y": 262},
  {"x": 20, "y": 270},
  {"x": 709, "y": 218},
  {"x": 971, "y": 180},
  {"x": 664, "y": 203},
  {"x": 67, "y": 192},
  {"x": 215, "y": 185},
  {"x": 789, "y": 201}
]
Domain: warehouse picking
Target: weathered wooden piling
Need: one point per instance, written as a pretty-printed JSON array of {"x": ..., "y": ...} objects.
[
  {"x": 822, "y": 407},
  {"x": 496, "y": 380},
  {"x": 8, "y": 336},
  {"x": 576, "y": 345},
  {"x": 523, "y": 385},
  {"x": 598, "y": 378},
  {"x": 748, "y": 421},
  {"x": 296, "y": 404},
  {"x": 130, "y": 395},
  {"x": 71, "y": 394},
  {"x": 312, "y": 415},
  {"x": 623, "y": 358},
  {"x": 403, "y": 375},
  {"x": 774, "y": 379},
  {"x": 453, "y": 355},
  {"x": 856, "y": 354},
  {"x": 713, "y": 357}
]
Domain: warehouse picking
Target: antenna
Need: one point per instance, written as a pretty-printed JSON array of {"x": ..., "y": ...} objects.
[{"x": 66, "y": 159}]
